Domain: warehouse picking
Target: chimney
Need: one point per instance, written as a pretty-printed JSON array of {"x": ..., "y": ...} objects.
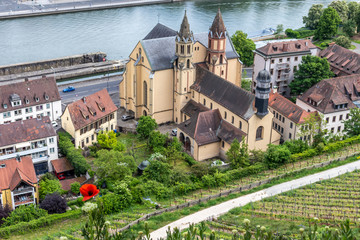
[
  {"x": 84, "y": 99},
  {"x": 285, "y": 47},
  {"x": 306, "y": 43}
]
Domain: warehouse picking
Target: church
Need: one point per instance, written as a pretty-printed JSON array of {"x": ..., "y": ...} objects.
[{"x": 194, "y": 80}]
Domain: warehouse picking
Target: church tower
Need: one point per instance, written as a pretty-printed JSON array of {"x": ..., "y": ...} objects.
[
  {"x": 216, "y": 57},
  {"x": 262, "y": 93},
  {"x": 183, "y": 67}
]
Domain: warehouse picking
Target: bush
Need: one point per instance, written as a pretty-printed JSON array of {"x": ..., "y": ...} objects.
[
  {"x": 305, "y": 33},
  {"x": 75, "y": 187},
  {"x": 157, "y": 171},
  {"x": 296, "y": 146},
  {"x": 291, "y": 33},
  {"x": 277, "y": 155},
  {"x": 157, "y": 141},
  {"x": 54, "y": 203},
  {"x": 189, "y": 159},
  {"x": 153, "y": 188},
  {"x": 24, "y": 214},
  {"x": 48, "y": 176},
  {"x": 49, "y": 187},
  {"x": 343, "y": 41},
  {"x": 78, "y": 202},
  {"x": 146, "y": 126},
  {"x": 4, "y": 212}
]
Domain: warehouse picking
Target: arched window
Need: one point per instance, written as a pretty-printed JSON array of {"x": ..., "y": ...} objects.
[
  {"x": 188, "y": 49},
  {"x": 240, "y": 125},
  {"x": 145, "y": 94},
  {"x": 221, "y": 59},
  {"x": 225, "y": 115},
  {"x": 259, "y": 133},
  {"x": 188, "y": 63},
  {"x": 204, "y": 102},
  {"x": 210, "y": 105}
]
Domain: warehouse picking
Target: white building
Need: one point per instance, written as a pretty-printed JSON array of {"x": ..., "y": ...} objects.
[
  {"x": 35, "y": 137},
  {"x": 29, "y": 99},
  {"x": 281, "y": 59},
  {"x": 333, "y": 98}
]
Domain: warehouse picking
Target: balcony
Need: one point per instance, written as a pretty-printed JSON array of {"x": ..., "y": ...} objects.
[
  {"x": 24, "y": 202},
  {"x": 282, "y": 66},
  {"x": 23, "y": 191},
  {"x": 23, "y": 153},
  {"x": 23, "y": 199}
]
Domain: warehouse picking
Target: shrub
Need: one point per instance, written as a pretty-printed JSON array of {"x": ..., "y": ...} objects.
[
  {"x": 145, "y": 126},
  {"x": 343, "y": 41},
  {"x": 189, "y": 159},
  {"x": 291, "y": 33},
  {"x": 49, "y": 187},
  {"x": 277, "y": 155},
  {"x": 24, "y": 214},
  {"x": 157, "y": 141},
  {"x": 78, "y": 202},
  {"x": 157, "y": 171},
  {"x": 48, "y": 176},
  {"x": 75, "y": 187},
  {"x": 4, "y": 212},
  {"x": 54, "y": 203}
]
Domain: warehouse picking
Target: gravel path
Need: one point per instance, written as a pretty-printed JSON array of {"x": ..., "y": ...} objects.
[{"x": 223, "y": 208}]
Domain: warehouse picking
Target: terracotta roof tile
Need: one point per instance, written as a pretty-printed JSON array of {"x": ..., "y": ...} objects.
[
  {"x": 12, "y": 172},
  {"x": 62, "y": 165},
  {"x": 66, "y": 183},
  {"x": 286, "y": 47},
  {"x": 192, "y": 107},
  {"x": 44, "y": 88},
  {"x": 25, "y": 131},
  {"x": 81, "y": 111}
]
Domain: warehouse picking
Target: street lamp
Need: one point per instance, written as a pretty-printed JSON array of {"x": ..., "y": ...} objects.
[{"x": 54, "y": 72}]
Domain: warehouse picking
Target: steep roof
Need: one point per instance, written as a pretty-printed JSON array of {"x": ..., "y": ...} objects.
[
  {"x": 287, "y": 108},
  {"x": 91, "y": 108},
  {"x": 278, "y": 48},
  {"x": 25, "y": 131},
  {"x": 192, "y": 107},
  {"x": 161, "y": 51},
  {"x": 232, "y": 97},
  {"x": 62, "y": 165},
  {"x": 31, "y": 93},
  {"x": 185, "y": 32},
  {"x": 342, "y": 61},
  {"x": 13, "y": 172},
  {"x": 217, "y": 28},
  {"x": 334, "y": 91},
  {"x": 208, "y": 127},
  {"x": 160, "y": 31}
]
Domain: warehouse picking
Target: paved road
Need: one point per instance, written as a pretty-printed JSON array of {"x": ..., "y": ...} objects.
[
  {"x": 357, "y": 49},
  {"x": 223, "y": 208}
]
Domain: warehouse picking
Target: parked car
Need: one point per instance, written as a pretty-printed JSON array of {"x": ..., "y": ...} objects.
[
  {"x": 127, "y": 117},
  {"x": 174, "y": 132},
  {"x": 54, "y": 123},
  {"x": 60, "y": 176},
  {"x": 69, "y": 89}
]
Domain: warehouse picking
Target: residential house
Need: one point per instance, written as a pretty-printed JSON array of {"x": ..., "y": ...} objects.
[
  {"x": 29, "y": 99},
  {"x": 333, "y": 98},
  {"x": 85, "y": 118},
  {"x": 35, "y": 137},
  {"x": 288, "y": 117},
  {"x": 18, "y": 182},
  {"x": 342, "y": 61},
  {"x": 282, "y": 60}
]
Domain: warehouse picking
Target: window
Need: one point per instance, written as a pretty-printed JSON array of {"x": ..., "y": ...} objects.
[
  {"x": 182, "y": 49},
  {"x": 209, "y": 43},
  {"x": 259, "y": 133},
  {"x": 142, "y": 59},
  {"x": 272, "y": 71},
  {"x": 39, "y": 108},
  {"x": 5, "y": 105},
  {"x": 339, "y": 128},
  {"x": 112, "y": 127},
  {"x": 277, "y": 115},
  {"x": 332, "y": 130},
  {"x": 17, "y": 112},
  {"x": 204, "y": 102},
  {"x": 145, "y": 94},
  {"x": 222, "y": 144},
  {"x": 295, "y": 69},
  {"x": 51, "y": 140},
  {"x": 334, "y": 118},
  {"x": 276, "y": 125},
  {"x": 272, "y": 60},
  {"x": 291, "y": 125},
  {"x": 347, "y": 116},
  {"x": 221, "y": 59},
  {"x": 47, "y": 105},
  {"x": 193, "y": 94},
  {"x": 280, "y": 60},
  {"x": 288, "y": 59},
  {"x": 327, "y": 120},
  {"x": 232, "y": 119},
  {"x": 37, "y": 99},
  {"x": 240, "y": 125},
  {"x": 188, "y": 49},
  {"x": 28, "y": 110},
  {"x": 282, "y": 130},
  {"x": 92, "y": 137},
  {"x": 210, "y": 105},
  {"x": 296, "y": 58},
  {"x": 283, "y": 120},
  {"x": 52, "y": 150},
  {"x": 289, "y": 135},
  {"x": 340, "y": 118},
  {"x": 48, "y": 113},
  {"x": 225, "y": 115},
  {"x": 87, "y": 140},
  {"x": 7, "y": 114},
  {"x": 188, "y": 63}
]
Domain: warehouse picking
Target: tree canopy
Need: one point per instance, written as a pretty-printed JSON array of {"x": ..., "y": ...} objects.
[
  {"x": 48, "y": 186},
  {"x": 244, "y": 47},
  {"x": 312, "y": 70},
  {"x": 352, "y": 125},
  {"x": 145, "y": 126},
  {"x": 312, "y": 19},
  {"x": 343, "y": 41},
  {"x": 328, "y": 24},
  {"x": 238, "y": 154},
  {"x": 341, "y": 7}
]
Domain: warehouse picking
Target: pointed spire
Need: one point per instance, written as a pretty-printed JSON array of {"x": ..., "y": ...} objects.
[
  {"x": 184, "y": 32},
  {"x": 218, "y": 27}
]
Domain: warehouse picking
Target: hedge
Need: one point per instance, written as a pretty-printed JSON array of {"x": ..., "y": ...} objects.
[{"x": 24, "y": 227}]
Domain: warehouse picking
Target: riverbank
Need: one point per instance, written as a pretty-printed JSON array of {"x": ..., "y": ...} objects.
[{"x": 71, "y": 7}]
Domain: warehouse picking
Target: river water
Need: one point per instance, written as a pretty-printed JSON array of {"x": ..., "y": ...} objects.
[{"x": 116, "y": 31}]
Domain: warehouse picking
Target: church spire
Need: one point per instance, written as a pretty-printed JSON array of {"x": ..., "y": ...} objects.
[
  {"x": 218, "y": 29},
  {"x": 184, "y": 32}
]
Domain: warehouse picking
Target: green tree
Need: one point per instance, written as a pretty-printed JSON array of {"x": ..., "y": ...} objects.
[
  {"x": 75, "y": 187},
  {"x": 113, "y": 165},
  {"x": 49, "y": 186},
  {"x": 354, "y": 8},
  {"x": 352, "y": 125},
  {"x": 157, "y": 141},
  {"x": 296, "y": 146},
  {"x": 246, "y": 84},
  {"x": 107, "y": 139},
  {"x": 157, "y": 171},
  {"x": 314, "y": 125},
  {"x": 279, "y": 28},
  {"x": 343, "y": 41},
  {"x": 145, "y": 126},
  {"x": 277, "y": 155},
  {"x": 349, "y": 27},
  {"x": 312, "y": 19},
  {"x": 341, "y": 8},
  {"x": 172, "y": 151},
  {"x": 244, "y": 47},
  {"x": 238, "y": 154},
  {"x": 328, "y": 24},
  {"x": 312, "y": 70}
]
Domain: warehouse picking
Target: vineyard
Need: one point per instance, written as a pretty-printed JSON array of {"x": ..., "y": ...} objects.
[{"x": 331, "y": 201}]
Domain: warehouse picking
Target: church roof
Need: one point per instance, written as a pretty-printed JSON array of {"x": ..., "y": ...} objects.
[
  {"x": 218, "y": 29},
  {"x": 160, "y": 31},
  {"x": 232, "y": 97},
  {"x": 184, "y": 32},
  {"x": 161, "y": 51}
]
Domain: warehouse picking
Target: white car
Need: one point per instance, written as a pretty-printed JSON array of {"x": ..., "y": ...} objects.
[
  {"x": 54, "y": 123},
  {"x": 174, "y": 132}
]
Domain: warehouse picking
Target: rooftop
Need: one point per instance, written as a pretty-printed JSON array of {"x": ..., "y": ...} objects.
[
  {"x": 62, "y": 165},
  {"x": 277, "y": 48}
]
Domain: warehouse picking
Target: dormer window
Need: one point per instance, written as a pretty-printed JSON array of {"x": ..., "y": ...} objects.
[
  {"x": 5, "y": 105},
  {"x": 46, "y": 97},
  {"x": 27, "y": 101}
]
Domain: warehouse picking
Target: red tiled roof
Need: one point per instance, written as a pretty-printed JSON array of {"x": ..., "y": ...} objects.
[
  {"x": 90, "y": 109},
  {"x": 61, "y": 165},
  {"x": 12, "y": 172},
  {"x": 45, "y": 89},
  {"x": 25, "y": 131},
  {"x": 286, "y": 47},
  {"x": 66, "y": 183},
  {"x": 287, "y": 108}
]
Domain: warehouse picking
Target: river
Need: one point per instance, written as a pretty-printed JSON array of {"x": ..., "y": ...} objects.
[{"x": 116, "y": 31}]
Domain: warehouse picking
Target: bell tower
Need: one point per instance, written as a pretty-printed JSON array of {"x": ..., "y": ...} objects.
[
  {"x": 216, "y": 58},
  {"x": 262, "y": 93},
  {"x": 183, "y": 67}
]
